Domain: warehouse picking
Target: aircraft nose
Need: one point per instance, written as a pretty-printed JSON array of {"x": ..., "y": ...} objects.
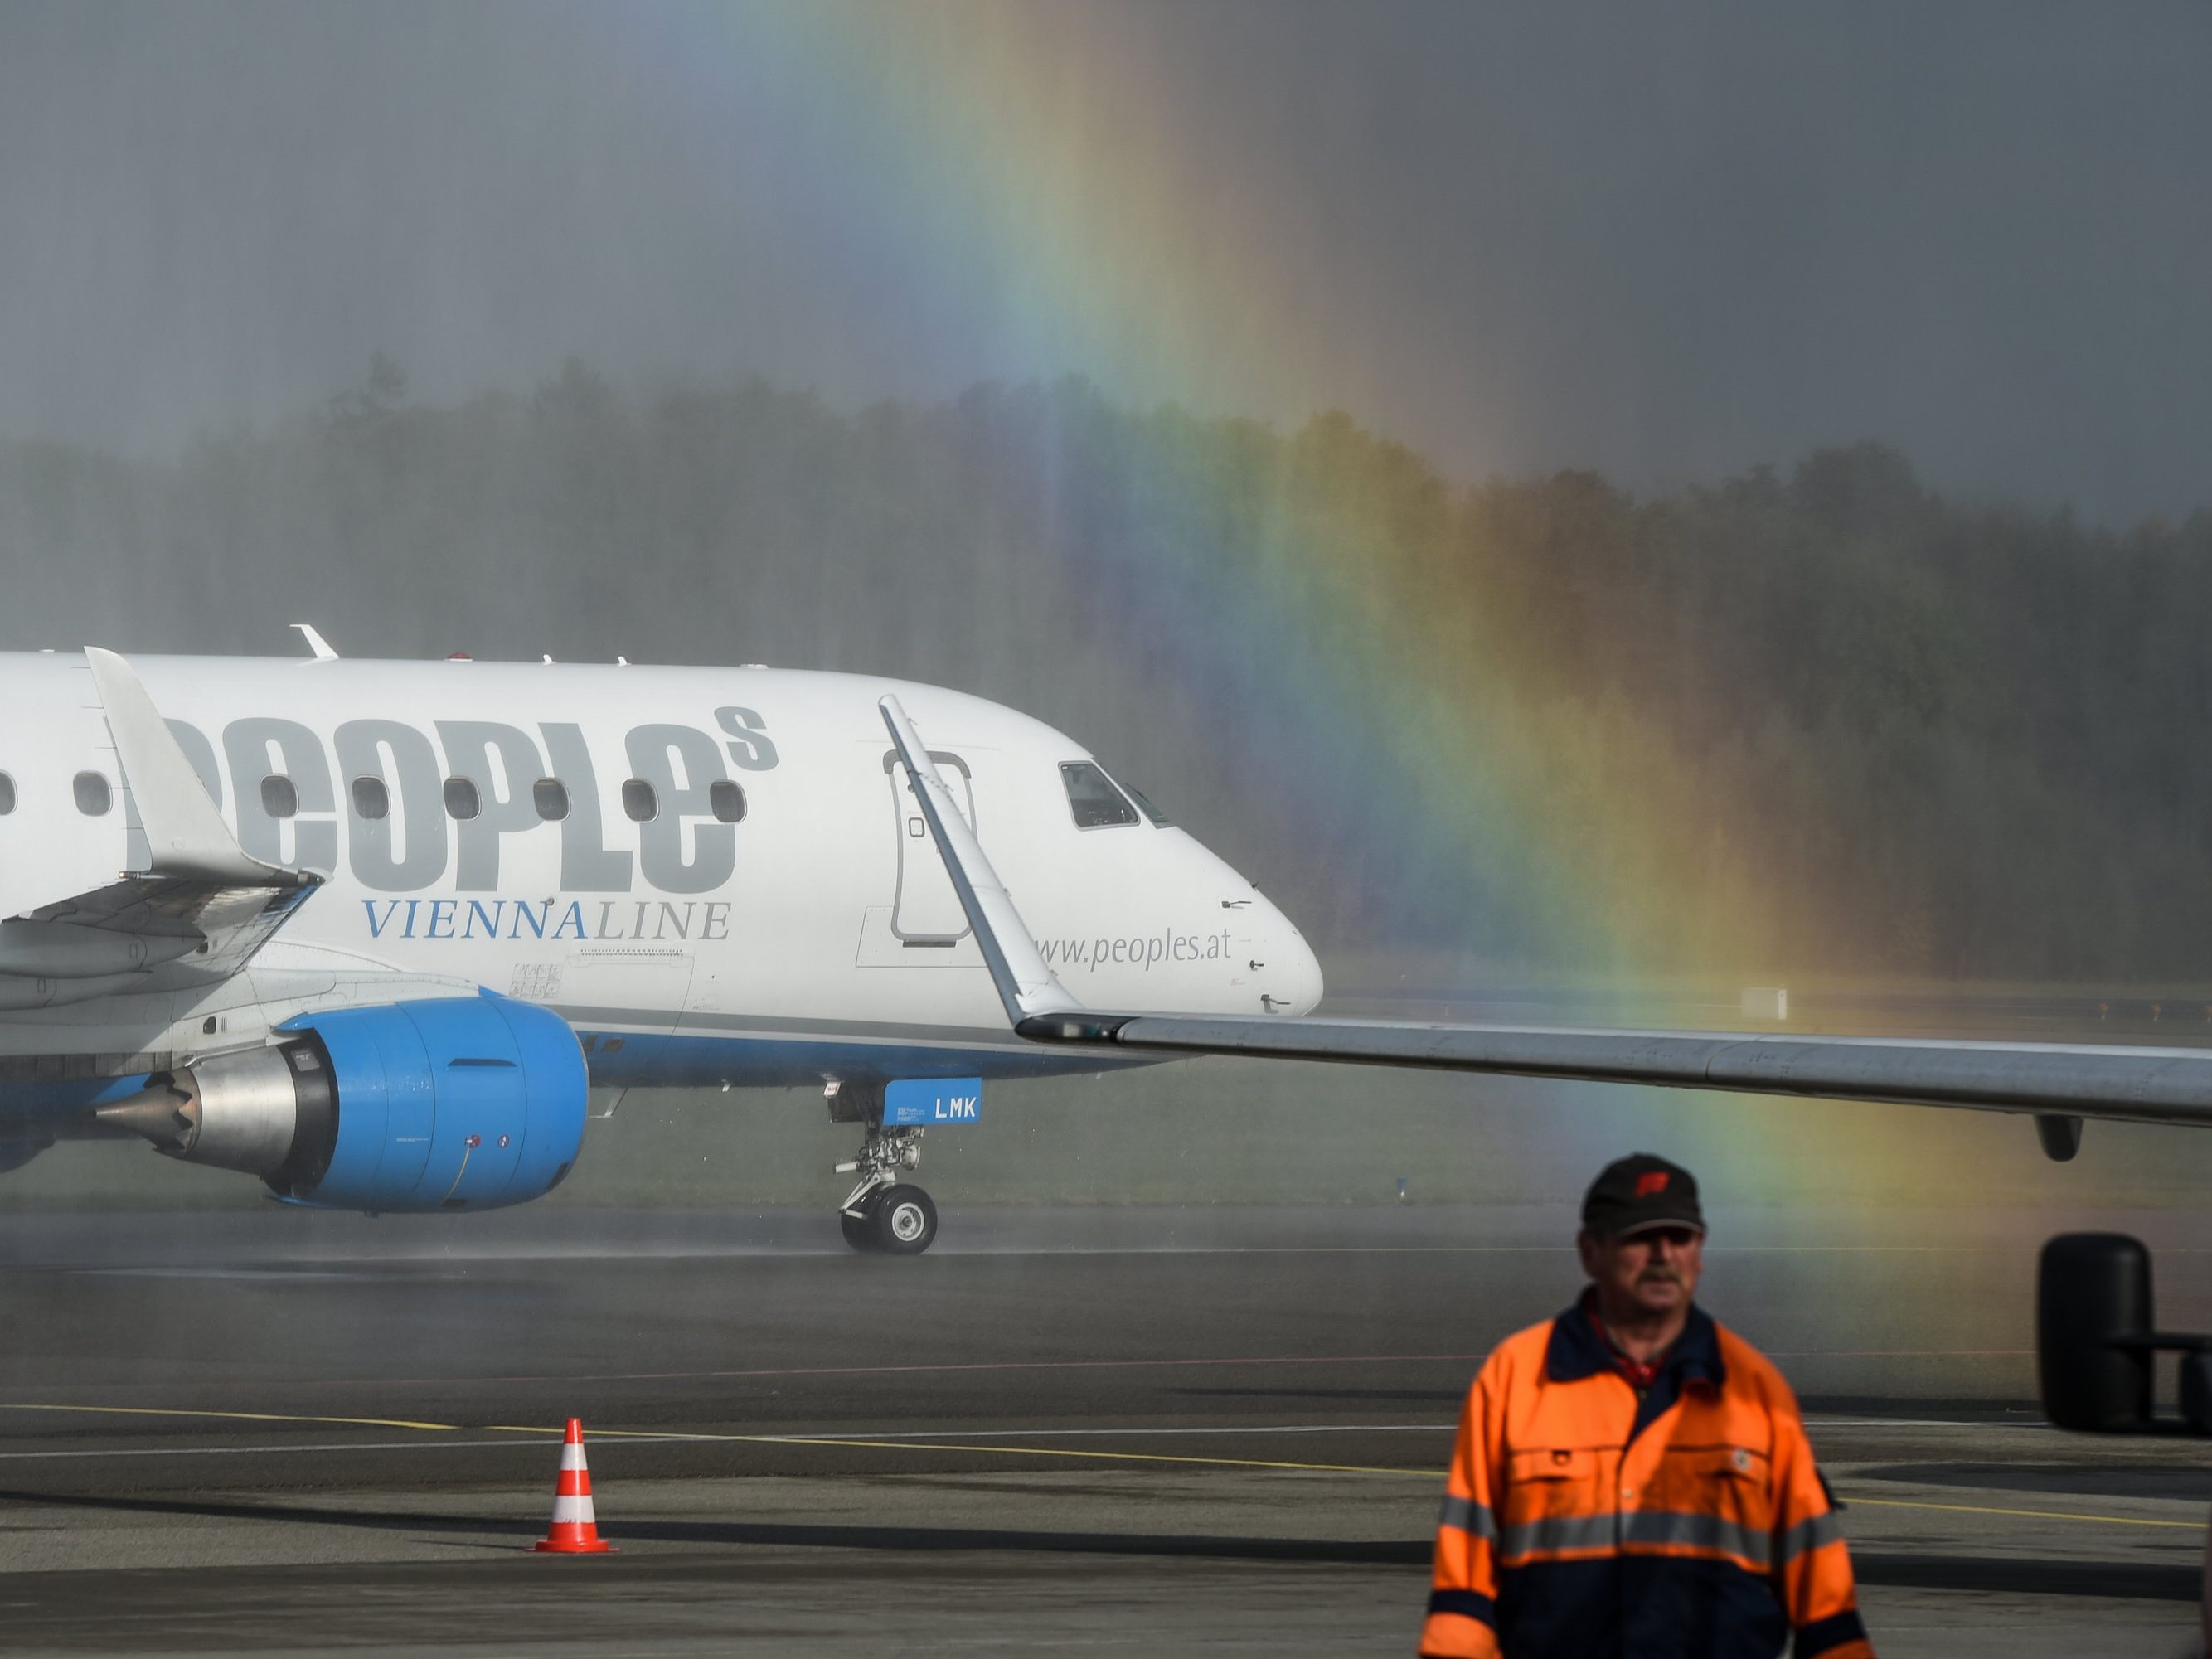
[{"x": 1294, "y": 970}]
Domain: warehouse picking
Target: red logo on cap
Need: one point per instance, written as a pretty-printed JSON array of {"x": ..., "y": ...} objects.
[{"x": 1650, "y": 1181}]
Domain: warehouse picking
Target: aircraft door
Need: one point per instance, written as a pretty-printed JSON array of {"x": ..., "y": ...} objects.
[{"x": 927, "y": 911}]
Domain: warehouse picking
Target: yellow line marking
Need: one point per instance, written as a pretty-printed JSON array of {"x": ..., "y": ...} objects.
[
  {"x": 953, "y": 1446},
  {"x": 2031, "y": 1515},
  {"x": 664, "y": 1435},
  {"x": 1236, "y": 1463},
  {"x": 238, "y": 1417},
  {"x": 1133, "y": 1457},
  {"x": 1251, "y": 1463}
]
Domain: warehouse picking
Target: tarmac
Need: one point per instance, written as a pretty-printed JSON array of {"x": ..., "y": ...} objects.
[{"x": 1161, "y": 1430}]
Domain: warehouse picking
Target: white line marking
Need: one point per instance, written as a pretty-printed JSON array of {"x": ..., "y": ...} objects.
[
  {"x": 248, "y": 1451},
  {"x": 1055, "y": 1434},
  {"x": 923, "y": 1436},
  {"x": 352, "y": 1267},
  {"x": 282, "y": 1275},
  {"x": 1922, "y": 1423}
]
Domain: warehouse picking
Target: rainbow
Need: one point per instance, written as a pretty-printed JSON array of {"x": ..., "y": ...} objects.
[
  {"x": 1012, "y": 182},
  {"x": 1009, "y": 173}
]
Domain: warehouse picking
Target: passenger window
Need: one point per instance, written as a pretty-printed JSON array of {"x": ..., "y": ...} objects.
[
  {"x": 552, "y": 798},
  {"x": 728, "y": 800},
  {"x": 371, "y": 800},
  {"x": 94, "y": 797},
  {"x": 1096, "y": 804},
  {"x": 279, "y": 798},
  {"x": 639, "y": 801},
  {"x": 461, "y": 798},
  {"x": 7, "y": 795},
  {"x": 1138, "y": 796}
]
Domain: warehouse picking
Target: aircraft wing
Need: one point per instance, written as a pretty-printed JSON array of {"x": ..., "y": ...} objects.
[
  {"x": 2057, "y": 1082},
  {"x": 195, "y": 916}
]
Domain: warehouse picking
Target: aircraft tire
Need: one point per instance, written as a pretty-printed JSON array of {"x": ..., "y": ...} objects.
[
  {"x": 859, "y": 1230},
  {"x": 904, "y": 1221}
]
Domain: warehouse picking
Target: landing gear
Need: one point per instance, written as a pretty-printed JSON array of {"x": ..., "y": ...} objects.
[
  {"x": 905, "y": 1221},
  {"x": 883, "y": 1214}
]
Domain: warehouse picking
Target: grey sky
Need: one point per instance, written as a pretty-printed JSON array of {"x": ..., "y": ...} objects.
[{"x": 1667, "y": 242}]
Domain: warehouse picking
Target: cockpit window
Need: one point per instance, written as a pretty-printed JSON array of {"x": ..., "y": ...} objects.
[
  {"x": 1097, "y": 804},
  {"x": 1138, "y": 796}
]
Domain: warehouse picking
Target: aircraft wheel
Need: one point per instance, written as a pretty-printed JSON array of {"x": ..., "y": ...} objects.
[
  {"x": 904, "y": 1221},
  {"x": 859, "y": 1230}
]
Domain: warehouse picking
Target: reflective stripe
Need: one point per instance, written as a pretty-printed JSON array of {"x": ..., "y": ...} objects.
[
  {"x": 1559, "y": 1532},
  {"x": 572, "y": 1509},
  {"x": 1470, "y": 1516},
  {"x": 1638, "y": 1527},
  {"x": 1810, "y": 1535},
  {"x": 1708, "y": 1532}
]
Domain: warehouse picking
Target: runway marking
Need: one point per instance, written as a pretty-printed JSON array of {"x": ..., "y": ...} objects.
[
  {"x": 920, "y": 1440},
  {"x": 1504, "y": 1249},
  {"x": 1898, "y": 1353},
  {"x": 1450, "y": 1249},
  {"x": 1447, "y": 1428},
  {"x": 983, "y": 1365},
  {"x": 938, "y": 1445},
  {"x": 241, "y": 1417},
  {"x": 265, "y": 1451},
  {"x": 1921, "y": 1423},
  {"x": 962, "y": 1366},
  {"x": 898, "y": 1370},
  {"x": 1429, "y": 1474},
  {"x": 1089, "y": 1364},
  {"x": 645, "y": 1435},
  {"x": 279, "y": 1273},
  {"x": 887, "y": 1444},
  {"x": 1265, "y": 1428},
  {"x": 2031, "y": 1515},
  {"x": 979, "y": 1434}
]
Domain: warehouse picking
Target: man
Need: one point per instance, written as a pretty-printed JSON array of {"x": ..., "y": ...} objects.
[{"x": 1632, "y": 1479}]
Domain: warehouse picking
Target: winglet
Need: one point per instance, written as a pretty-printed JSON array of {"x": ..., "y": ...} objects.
[
  {"x": 316, "y": 642},
  {"x": 1025, "y": 984},
  {"x": 185, "y": 834}
]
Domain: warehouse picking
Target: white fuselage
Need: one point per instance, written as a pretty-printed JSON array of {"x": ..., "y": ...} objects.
[{"x": 559, "y": 832}]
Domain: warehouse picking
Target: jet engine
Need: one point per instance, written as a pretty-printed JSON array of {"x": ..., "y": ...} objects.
[{"x": 475, "y": 1101}]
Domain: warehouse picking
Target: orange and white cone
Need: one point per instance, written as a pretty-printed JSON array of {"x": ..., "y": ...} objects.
[{"x": 575, "y": 1530}]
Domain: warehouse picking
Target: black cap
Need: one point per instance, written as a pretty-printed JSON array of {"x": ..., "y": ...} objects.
[{"x": 1639, "y": 1192}]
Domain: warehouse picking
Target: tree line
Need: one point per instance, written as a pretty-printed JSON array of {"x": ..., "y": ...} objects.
[{"x": 1818, "y": 720}]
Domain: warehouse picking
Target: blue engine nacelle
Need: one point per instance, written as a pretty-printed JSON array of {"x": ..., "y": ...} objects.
[{"x": 468, "y": 1102}]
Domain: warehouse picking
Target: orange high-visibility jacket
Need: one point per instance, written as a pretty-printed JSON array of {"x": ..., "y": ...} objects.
[{"x": 1580, "y": 1519}]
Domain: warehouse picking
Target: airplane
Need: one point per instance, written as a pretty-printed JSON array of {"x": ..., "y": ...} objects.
[{"x": 375, "y": 932}]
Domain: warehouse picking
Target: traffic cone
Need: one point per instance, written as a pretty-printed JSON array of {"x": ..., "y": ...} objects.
[{"x": 574, "y": 1531}]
